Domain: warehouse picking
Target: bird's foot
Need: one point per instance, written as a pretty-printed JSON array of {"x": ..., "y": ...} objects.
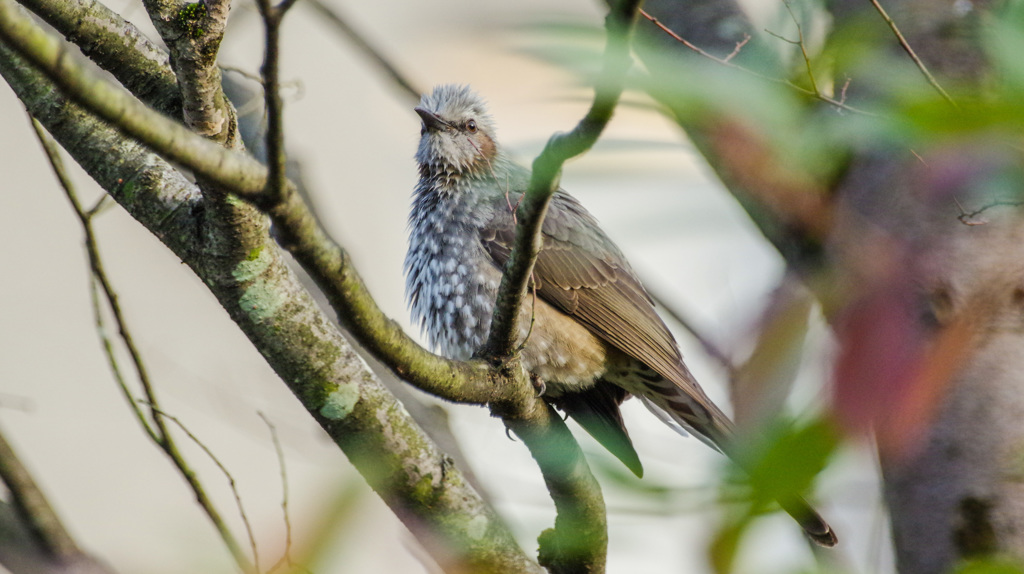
[{"x": 538, "y": 384}]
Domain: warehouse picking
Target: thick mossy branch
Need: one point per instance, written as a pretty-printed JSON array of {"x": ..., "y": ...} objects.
[
  {"x": 117, "y": 46},
  {"x": 258, "y": 294},
  {"x": 245, "y": 176},
  {"x": 299, "y": 342},
  {"x": 619, "y": 24},
  {"x": 193, "y": 33}
]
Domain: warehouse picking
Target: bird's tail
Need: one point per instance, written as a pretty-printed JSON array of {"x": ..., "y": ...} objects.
[
  {"x": 813, "y": 524},
  {"x": 717, "y": 434}
]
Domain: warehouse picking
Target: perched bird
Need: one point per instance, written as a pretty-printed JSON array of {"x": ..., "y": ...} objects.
[{"x": 595, "y": 339}]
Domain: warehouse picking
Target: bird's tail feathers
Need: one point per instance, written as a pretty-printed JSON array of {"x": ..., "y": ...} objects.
[
  {"x": 813, "y": 524},
  {"x": 716, "y": 435}
]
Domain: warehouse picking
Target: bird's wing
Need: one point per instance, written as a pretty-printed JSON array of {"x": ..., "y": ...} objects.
[{"x": 582, "y": 273}]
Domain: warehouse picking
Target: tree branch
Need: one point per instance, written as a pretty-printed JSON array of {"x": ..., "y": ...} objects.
[
  {"x": 406, "y": 86},
  {"x": 910, "y": 52},
  {"x": 619, "y": 24},
  {"x": 267, "y": 302},
  {"x": 193, "y": 33},
  {"x": 34, "y": 510},
  {"x": 273, "y": 16},
  {"x": 117, "y": 46},
  {"x": 157, "y": 430}
]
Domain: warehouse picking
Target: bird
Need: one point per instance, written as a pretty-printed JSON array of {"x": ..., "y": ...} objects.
[{"x": 590, "y": 336}]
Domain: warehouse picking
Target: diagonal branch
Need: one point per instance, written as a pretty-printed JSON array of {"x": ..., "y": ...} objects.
[
  {"x": 157, "y": 430},
  {"x": 129, "y": 56},
  {"x": 406, "y": 86},
  {"x": 910, "y": 52},
  {"x": 298, "y": 340},
  {"x": 33, "y": 508}
]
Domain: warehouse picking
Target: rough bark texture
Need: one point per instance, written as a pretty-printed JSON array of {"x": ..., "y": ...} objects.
[
  {"x": 233, "y": 254},
  {"x": 952, "y": 464},
  {"x": 927, "y": 307},
  {"x": 962, "y": 494}
]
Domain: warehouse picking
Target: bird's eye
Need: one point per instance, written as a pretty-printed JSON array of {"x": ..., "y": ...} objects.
[{"x": 471, "y": 126}]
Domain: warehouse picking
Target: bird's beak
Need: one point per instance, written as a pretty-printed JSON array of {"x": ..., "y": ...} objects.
[{"x": 430, "y": 120}]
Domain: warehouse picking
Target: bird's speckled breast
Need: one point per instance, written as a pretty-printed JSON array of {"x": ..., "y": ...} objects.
[{"x": 452, "y": 284}]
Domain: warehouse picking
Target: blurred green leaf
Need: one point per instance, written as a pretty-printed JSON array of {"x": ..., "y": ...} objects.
[
  {"x": 991, "y": 565},
  {"x": 787, "y": 461}
]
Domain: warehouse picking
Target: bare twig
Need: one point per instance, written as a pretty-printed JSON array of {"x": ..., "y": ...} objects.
[
  {"x": 910, "y": 51},
  {"x": 273, "y": 16},
  {"x": 156, "y": 429},
  {"x": 227, "y": 474},
  {"x": 406, "y": 86},
  {"x": 32, "y": 507},
  {"x": 286, "y": 558},
  {"x": 727, "y": 61},
  {"x": 739, "y": 46},
  {"x": 803, "y": 48},
  {"x": 968, "y": 218}
]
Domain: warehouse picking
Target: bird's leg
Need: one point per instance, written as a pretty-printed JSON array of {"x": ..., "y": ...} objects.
[{"x": 538, "y": 384}]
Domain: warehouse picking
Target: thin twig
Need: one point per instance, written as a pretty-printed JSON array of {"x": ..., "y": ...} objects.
[
  {"x": 341, "y": 24},
  {"x": 739, "y": 46},
  {"x": 95, "y": 283},
  {"x": 910, "y": 51},
  {"x": 727, "y": 61},
  {"x": 803, "y": 47},
  {"x": 156, "y": 428},
  {"x": 227, "y": 474},
  {"x": 286, "y": 558},
  {"x": 968, "y": 218}
]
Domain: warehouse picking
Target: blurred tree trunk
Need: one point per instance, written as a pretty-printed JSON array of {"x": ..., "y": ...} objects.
[
  {"x": 928, "y": 306},
  {"x": 951, "y": 452}
]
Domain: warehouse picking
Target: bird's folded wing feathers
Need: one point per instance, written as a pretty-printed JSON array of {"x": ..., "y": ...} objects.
[{"x": 583, "y": 274}]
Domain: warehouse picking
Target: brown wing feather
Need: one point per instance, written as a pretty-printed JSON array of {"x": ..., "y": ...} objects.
[{"x": 582, "y": 273}]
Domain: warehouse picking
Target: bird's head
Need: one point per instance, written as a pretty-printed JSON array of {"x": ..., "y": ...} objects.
[{"x": 458, "y": 134}]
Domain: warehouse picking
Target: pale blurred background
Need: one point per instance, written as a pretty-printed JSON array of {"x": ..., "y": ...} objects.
[{"x": 355, "y": 136}]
